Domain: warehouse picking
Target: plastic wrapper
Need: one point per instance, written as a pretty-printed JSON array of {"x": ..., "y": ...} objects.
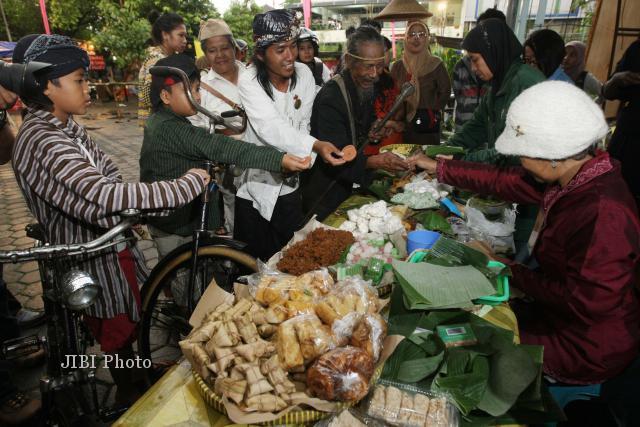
[
  {"x": 350, "y": 295},
  {"x": 405, "y": 405},
  {"x": 294, "y": 295},
  {"x": 343, "y": 374},
  {"x": 499, "y": 234},
  {"x": 369, "y": 334},
  {"x": 344, "y": 418},
  {"x": 303, "y": 339}
]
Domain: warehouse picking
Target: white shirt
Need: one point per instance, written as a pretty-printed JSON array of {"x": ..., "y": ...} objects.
[
  {"x": 277, "y": 123},
  {"x": 213, "y": 103}
]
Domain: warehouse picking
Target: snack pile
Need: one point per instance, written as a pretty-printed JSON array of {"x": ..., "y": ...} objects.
[
  {"x": 374, "y": 218},
  {"x": 321, "y": 248}
]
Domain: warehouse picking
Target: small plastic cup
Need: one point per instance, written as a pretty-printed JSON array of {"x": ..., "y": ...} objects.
[{"x": 421, "y": 239}]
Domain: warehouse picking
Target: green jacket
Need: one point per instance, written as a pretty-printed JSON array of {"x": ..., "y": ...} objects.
[
  {"x": 172, "y": 145},
  {"x": 480, "y": 133}
]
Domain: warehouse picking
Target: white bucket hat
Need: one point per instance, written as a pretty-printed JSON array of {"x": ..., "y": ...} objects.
[{"x": 552, "y": 120}]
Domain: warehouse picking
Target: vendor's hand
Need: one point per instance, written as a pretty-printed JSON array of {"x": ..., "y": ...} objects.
[
  {"x": 389, "y": 127},
  {"x": 329, "y": 153},
  {"x": 388, "y": 162},
  {"x": 291, "y": 163},
  {"x": 7, "y": 98},
  {"x": 206, "y": 178},
  {"x": 423, "y": 162}
]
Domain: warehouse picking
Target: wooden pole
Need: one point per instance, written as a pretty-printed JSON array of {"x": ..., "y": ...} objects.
[{"x": 6, "y": 24}]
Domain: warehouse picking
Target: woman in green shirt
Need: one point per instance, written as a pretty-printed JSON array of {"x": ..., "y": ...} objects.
[{"x": 495, "y": 57}]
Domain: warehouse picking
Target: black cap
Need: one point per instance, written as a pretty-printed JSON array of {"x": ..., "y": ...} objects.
[{"x": 180, "y": 61}]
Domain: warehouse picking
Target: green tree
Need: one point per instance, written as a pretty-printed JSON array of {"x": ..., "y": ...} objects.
[
  {"x": 123, "y": 33},
  {"x": 74, "y": 18},
  {"x": 239, "y": 17},
  {"x": 23, "y": 17}
]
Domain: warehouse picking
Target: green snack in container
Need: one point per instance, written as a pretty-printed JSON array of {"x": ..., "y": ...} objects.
[{"x": 375, "y": 270}]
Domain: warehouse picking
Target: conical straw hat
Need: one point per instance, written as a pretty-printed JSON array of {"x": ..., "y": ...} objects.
[{"x": 403, "y": 10}]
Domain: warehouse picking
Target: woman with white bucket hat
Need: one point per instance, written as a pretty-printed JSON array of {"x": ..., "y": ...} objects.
[{"x": 587, "y": 236}]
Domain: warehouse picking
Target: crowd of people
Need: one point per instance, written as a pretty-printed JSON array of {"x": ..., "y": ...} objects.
[{"x": 525, "y": 113}]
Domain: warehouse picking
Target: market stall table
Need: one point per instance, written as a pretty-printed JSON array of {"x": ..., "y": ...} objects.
[{"x": 175, "y": 399}]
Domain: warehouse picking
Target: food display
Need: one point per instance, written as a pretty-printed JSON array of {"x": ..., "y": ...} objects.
[
  {"x": 363, "y": 250},
  {"x": 341, "y": 374},
  {"x": 321, "y": 248},
  {"x": 295, "y": 338},
  {"x": 404, "y": 406},
  {"x": 372, "y": 218},
  {"x": 421, "y": 192}
]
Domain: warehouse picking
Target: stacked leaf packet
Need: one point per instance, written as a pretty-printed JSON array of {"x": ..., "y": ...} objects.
[
  {"x": 492, "y": 381},
  {"x": 451, "y": 275}
]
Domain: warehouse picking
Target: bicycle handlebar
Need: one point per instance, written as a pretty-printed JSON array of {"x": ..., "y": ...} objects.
[{"x": 131, "y": 217}]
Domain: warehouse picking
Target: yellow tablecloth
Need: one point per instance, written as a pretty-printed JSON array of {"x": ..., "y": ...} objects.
[{"x": 175, "y": 401}]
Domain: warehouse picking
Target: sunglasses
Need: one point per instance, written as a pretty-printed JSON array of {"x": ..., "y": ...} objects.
[{"x": 418, "y": 35}]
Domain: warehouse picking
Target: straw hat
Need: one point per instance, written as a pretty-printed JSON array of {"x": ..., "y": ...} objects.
[{"x": 403, "y": 10}]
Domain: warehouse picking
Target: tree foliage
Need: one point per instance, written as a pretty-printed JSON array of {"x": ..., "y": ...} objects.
[
  {"x": 123, "y": 33},
  {"x": 239, "y": 17},
  {"x": 74, "y": 18},
  {"x": 23, "y": 17}
]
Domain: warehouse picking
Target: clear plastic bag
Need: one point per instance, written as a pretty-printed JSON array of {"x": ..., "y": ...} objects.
[
  {"x": 499, "y": 234},
  {"x": 301, "y": 340},
  {"x": 351, "y": 295},
  {"x": 405, "y": 405},
  {"x": 342, "y": 374}
]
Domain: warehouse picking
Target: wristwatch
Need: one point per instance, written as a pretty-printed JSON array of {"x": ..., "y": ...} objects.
[{"x": 3, "y": 119}]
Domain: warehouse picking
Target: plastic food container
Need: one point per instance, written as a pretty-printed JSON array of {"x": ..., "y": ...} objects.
[{"x": 421, "y": 239}]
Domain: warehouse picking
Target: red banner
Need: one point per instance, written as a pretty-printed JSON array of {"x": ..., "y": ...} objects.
[{"x": 96, "y": 62}]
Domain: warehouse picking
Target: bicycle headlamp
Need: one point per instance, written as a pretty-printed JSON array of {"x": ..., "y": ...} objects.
[{"x": 79, "y": 290}]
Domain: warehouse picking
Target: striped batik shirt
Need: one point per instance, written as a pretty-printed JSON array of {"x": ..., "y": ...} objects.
[
  {"x": 75, "y": 191},
  {"x": 468, "y": 90}
]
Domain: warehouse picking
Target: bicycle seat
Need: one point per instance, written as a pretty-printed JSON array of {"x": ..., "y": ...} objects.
[{"x": 35, "y": 231}]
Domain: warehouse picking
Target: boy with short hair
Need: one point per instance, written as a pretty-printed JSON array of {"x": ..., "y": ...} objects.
[
  {"x": 76, "y": 192},
  {"x": 172, "y": 145}
]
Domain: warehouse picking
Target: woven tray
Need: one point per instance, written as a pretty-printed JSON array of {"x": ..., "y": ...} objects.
[{"x": 300, "y": 416}]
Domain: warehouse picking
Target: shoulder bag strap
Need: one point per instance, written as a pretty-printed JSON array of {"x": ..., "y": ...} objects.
[{"x": 347, "y": 100}]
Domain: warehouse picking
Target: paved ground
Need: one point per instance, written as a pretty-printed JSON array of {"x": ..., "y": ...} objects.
[{"x": 115, "y": 130}]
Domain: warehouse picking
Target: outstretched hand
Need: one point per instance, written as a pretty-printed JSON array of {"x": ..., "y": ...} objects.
[
  {"x": 329, "y": 153},
  {"x": 423, "y": 162},
  {"x": 291, "y": 163}
]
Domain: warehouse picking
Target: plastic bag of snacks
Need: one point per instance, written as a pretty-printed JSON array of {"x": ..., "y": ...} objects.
[{"x": 405, "y": 405}]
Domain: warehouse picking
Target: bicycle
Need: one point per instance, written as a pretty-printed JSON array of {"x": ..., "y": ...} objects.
[
  {"x": 192, "y": 266},
  {"x": 67, "y": 291}
]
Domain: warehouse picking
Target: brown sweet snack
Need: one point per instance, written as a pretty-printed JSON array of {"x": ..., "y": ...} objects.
[
  {"x": 321, "y": 248},
  {"x": 342, "y": 374},
  {"x": 349, "y": 153},
  {"x": 369, "y": 334}
]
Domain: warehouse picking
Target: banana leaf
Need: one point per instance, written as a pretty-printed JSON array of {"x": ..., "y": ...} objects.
[
  {"x": 415, "y": 370},
  {"x": 431, "y": 220},
  {"x": 466, "y": 390},
  {"x": 434, "y": 150},
  {"x": 453, "y": 253},
  {"x": 380, "y": 188},
  {"x": 429, "y": 286},
  {"x": 401, "y": 321}
]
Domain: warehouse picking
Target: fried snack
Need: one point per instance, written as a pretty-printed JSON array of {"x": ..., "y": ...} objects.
[
  {"x": 321, "y": 248},
  {"x": 277, "y": 314},
  {"x": 288, "y": 347},
  {"x": 295, "y": 308},
  {"x": 326, "y": 313},
  {"x": 342, "y": 374},
  {"x": 406, "y": 408},
  {"x": 392, "y": 402},
  {"x": 255, "y": 350},
  {"x": 265, "y": 403},
  {"x": 349, "y": 153},
  {"x": 314, "y": 338},
  {"x": 369, "y": 334}
]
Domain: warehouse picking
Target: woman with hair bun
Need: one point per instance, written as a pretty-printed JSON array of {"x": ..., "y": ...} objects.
[{"x": 168, "y": 36}]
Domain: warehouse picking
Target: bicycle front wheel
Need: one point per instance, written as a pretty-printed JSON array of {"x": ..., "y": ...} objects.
[{"x": 165, "y": 318}]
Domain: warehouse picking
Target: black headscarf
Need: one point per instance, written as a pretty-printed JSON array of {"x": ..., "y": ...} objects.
[
  {"x": 548, "y": 48},
  {"x": 182, "y": 62},
  {"x": 497, "y": 44},
  {"x": 274, "y": 26}
]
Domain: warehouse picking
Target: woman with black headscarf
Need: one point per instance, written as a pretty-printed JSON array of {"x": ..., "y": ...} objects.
[{"x": 495, "y": 57}]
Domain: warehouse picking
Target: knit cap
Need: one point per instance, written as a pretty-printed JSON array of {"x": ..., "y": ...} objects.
[{"x": 552, "y": 120}]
